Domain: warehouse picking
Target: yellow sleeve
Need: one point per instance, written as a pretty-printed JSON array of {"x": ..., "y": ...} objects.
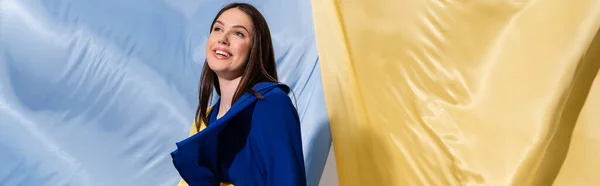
[{"x": 182, "y": 183}]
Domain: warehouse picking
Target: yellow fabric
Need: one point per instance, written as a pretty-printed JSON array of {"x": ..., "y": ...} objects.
[
  {"x": 482, "y": 92},
  {"x": 192, "y": 132},
  {"x": 582, "y": 165}
]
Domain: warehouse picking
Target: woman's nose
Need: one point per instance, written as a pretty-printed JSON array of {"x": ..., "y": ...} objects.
[{"x": 223, "y": 40}]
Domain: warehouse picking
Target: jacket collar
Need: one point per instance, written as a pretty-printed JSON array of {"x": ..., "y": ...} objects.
[{"x": 247, "y": 99}]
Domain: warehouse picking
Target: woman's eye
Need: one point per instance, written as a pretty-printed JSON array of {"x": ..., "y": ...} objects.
[
  {"x": 239, "y": 34},
  {"x": 217, "y": 29}
]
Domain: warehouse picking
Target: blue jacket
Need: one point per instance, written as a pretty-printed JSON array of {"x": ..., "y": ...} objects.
[{"x": 256, "y": 143}]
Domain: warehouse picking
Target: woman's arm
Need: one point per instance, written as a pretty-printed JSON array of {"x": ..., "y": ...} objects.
[{"x": 276, "y": 126}]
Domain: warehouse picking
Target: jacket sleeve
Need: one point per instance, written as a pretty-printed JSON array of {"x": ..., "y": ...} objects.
[{"x": 277, "y": 143}]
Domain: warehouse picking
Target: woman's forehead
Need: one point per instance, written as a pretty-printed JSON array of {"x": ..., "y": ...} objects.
[{"x": 235, "y": 17}]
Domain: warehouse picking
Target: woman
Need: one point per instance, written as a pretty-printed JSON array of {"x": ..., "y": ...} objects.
[{"x": 252, "y": 136}]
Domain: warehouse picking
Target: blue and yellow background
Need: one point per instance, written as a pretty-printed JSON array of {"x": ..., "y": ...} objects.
[{"x": 409, "y": 92}]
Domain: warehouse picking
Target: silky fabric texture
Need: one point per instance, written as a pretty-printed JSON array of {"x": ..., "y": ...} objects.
[
  {"x": 582, "y": 165},
  {"x": 458, "y": 92},
  {"x": 97, "y": 92}
]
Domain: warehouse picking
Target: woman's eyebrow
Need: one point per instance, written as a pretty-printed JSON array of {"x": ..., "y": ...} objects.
[{"x": 234, "y": 26}]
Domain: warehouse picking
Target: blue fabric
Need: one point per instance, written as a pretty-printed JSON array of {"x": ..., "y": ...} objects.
[
  {"x": 256, "y": 143},
  {"x": 97, "y": 92}
]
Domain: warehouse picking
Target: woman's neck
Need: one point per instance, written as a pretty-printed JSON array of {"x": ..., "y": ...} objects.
[{"x": 227, "y": 88}]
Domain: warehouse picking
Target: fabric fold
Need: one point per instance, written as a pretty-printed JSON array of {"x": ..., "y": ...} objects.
[{"x": 455, "y": 92}]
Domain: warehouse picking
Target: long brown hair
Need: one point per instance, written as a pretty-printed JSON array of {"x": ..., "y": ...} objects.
[{"x": 259, "y": 67}]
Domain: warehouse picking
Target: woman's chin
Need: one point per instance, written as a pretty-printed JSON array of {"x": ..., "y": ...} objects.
[
  {"x": 224, "y": 69},
  {"x": 225, "y": 73},
  {"x": 219, "y": 71},
  {"x": 218, "y": 66}
]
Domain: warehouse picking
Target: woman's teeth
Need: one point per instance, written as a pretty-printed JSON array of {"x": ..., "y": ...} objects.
[{"x": 223, "y": 53}]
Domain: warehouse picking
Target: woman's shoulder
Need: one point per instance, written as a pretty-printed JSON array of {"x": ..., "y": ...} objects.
[
  {"x": 277, "y": 95},
  {"x": 276, "y": 99},
  {"x": 276, "y": 111},
  {"x": 274, "y": 91}
]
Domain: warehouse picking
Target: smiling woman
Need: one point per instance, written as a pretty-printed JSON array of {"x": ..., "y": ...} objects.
[
  {"x": 229, "y": 43},
  {"x": 251, "y": 136}
]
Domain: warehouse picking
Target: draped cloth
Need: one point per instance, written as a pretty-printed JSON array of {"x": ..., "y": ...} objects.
[
  {"x": 194, "y": 130},
  {"x": 461, "y": 92}
]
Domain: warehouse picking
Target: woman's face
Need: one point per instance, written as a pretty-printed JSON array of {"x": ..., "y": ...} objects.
[{"x": 229, "y": 43}]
